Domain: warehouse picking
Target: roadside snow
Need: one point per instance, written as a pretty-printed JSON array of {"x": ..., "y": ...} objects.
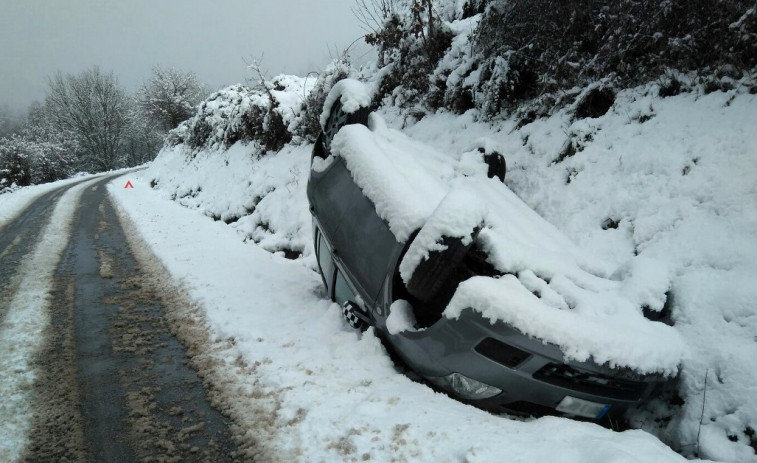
[
  {"x": 11, "y": 204},
  {"x": 21, "y": 329},
  {"x": 262, "y": 197},
  {"x": 334, "y": 395}
]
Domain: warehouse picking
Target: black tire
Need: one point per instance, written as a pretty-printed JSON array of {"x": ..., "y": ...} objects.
[
  {"x": 318, "y": 148},
  {"x": 433, "y": 272},
  {"x": 338, "y": 119},
  {"x": 497, "y": 165}
]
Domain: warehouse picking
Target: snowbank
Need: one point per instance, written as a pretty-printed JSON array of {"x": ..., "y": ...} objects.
[{"x": 261, "y": 197}]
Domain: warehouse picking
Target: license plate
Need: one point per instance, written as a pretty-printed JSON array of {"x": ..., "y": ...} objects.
[{"x": 580, "y": 407}]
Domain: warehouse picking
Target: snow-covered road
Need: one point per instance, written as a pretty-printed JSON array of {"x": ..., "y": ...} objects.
[{"x": 89, "y": 368}]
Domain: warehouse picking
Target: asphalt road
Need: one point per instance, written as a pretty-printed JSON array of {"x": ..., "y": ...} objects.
[{"x": 112, "y": 383}]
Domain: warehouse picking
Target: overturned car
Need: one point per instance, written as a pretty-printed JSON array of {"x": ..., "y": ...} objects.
[{"x": 471, "y": 288}]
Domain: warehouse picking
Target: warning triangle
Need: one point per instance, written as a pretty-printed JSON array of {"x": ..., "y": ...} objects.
[{"x": 128, "y": 184}]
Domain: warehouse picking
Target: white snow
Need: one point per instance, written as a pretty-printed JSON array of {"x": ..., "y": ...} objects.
[
  {"x": 333, "y": 394},
  {"x": 458, "y": 214},
  {"x": 401, "y": 317},
  {"x": 351, "y": 93},
  {"x": 23, "y": 326},
  {"x": 623, "y": 338},
  {"x": 262, "y": 195}
]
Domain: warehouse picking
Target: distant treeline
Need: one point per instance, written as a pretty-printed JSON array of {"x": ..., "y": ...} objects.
[{"x": 89, "y": 123}]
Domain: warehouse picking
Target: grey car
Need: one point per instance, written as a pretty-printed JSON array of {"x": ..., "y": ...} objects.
[{"x": 490, "y": 365}]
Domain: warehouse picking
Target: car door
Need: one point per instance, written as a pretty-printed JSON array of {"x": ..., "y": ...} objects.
[{"x": 362, "y": 244}]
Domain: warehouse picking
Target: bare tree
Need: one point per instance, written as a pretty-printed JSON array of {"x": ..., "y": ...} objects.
[
  {"x": 372, "y": 14},
  {"x": 170, "y": 97},
  {"x": 93, "y": 107}
]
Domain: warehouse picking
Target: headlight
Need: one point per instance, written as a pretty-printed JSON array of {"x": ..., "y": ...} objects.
[{"x": 467, "y": 388}]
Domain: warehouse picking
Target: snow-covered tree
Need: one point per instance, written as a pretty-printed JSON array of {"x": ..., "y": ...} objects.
[
  {"x": 15, "y": 166},
  {"x": 54, "y": 152},
  {"x": 93, "y": 107},
  {"x": 142, "y": 139},
  {"x": 170, "y": 97},
  {"x": 37, "y": 152},
  {"x": 9, "y": 121}
]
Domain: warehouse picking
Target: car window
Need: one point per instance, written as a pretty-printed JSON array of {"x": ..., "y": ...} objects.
[
  {"x": 325, "y": 261},
  {"x": 342, "y": 292}
]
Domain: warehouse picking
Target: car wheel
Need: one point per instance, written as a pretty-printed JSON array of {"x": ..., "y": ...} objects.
[
  {"x": 337, "y": 119},
  {"x": 497, "y": 165},
  {"x": 349, "y": 309},
  {"x": 433, "y": 272}
]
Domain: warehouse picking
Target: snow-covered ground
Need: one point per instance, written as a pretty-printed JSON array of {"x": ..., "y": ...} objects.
[{"x": 671, "y": 179}]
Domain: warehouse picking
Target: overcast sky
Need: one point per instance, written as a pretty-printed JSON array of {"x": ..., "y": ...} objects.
[{"x": 211, "y": 38}]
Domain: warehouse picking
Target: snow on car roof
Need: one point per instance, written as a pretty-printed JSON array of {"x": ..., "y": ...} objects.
[{"x": 551, "y": 289}]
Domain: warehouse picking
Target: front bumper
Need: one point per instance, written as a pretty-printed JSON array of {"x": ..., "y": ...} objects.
[{"x": 533, "y": 376}]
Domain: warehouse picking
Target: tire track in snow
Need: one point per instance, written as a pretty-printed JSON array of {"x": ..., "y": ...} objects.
[
  {"x": 228, "y": 379},
  {"x": 26, "y": 319},
  {"x": 17, "y": 240}
]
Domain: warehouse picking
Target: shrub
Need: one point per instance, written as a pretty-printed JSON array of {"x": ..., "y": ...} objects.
[
  {"x": 595, "y": 103},
  {"x": 540, "y": 46},
  {"x": 15, "y": 165},
  {"x": 528, "y": 53},
  {"x": 413, "y": 44}
]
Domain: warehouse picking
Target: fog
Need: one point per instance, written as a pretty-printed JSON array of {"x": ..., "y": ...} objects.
[{"x": 213, "y": 39}]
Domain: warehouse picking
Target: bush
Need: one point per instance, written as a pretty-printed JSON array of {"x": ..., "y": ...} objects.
[
  {"x": 414, "y": 44},
  {"x": 524, "y": 54},
  {"x": 269, "y": 114},
  {"x": 25, "y": 161},
  {"x": 542, "y": 46},
  {"x": 15, "y": 165}
]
